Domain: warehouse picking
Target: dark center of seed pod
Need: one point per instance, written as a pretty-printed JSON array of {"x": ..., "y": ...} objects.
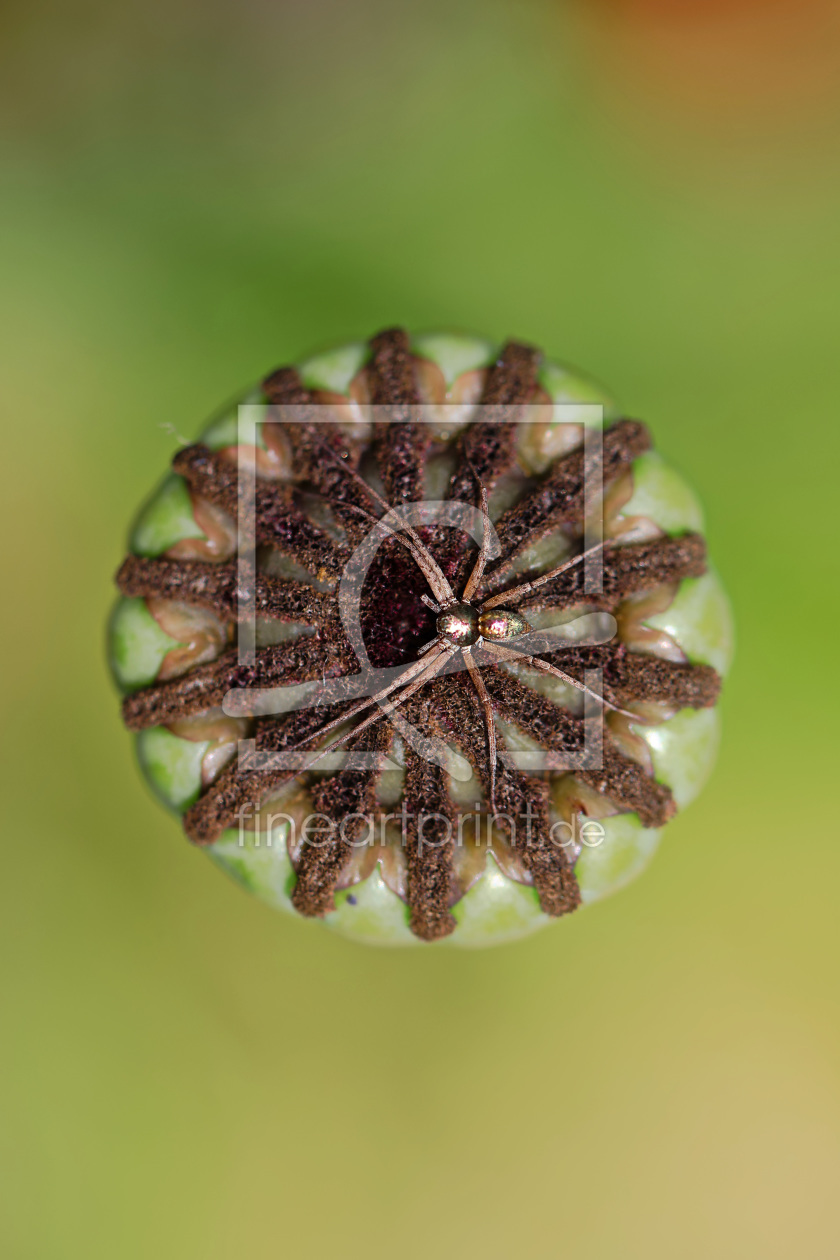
[{"x": 459, "y": 624}]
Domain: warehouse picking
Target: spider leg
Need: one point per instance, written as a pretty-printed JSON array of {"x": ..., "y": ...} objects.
[
  {"x": 357, "y": 477},
  {"x": 420, "y": 554},
  {"x": 406, "y": 676},
  {"x": 430, "y": 666},
  {"x": 510, "y": 654},
  {"x": 519, "y": 592},
  {"x": 432, "y": 571},
  {"x": 484, "y": 698},
  {"x": 430, "y": 603},
  {"x": 478, "y": 570},
  {"x": 426, "y": 646}
]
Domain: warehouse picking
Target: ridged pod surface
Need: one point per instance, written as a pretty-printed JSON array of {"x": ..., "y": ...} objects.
[{"x": 400, "y": 846}]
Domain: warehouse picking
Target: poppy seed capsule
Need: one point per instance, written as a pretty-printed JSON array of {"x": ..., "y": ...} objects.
[
  {"x": 463, "y": 801},
  {"x": 500, "y": 625}
]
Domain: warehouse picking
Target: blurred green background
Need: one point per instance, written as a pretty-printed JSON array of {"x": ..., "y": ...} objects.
[{"x": 193, "y": 193}]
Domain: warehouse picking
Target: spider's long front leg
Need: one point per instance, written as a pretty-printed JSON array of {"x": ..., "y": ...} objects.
[
  {"x": 484, "y": 698},
  {"x": 428, "y": 668},
  {"x": 419, "y": 553},
  {"x": 478, "y": 569},
  {"x": 525, "y": 588},
  {"x": 405, "y": 677},
  {"x": 431, "y": 570},
  {"x": 511, "y": 654}
]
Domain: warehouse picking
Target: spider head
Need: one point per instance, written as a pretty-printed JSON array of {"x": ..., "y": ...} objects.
[{"x": 458, "y": 624}]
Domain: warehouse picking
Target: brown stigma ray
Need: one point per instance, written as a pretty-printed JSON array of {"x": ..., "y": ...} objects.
[
  {"x": 457, "y": 716},
  {"x": 216, "y": 588},
  {"x": 344, "y": 801},
  {"x": 278, "y": 522},
  {"x": 487, "y": 449},
  {"x": 627, "y": 570},
  {"x": 251, "y": 778},
  {"x": 400, "y": 445},
  {"x": 621, "y": 779},
  {"x": 429, "y": 838},
  {"x": 558, "y": 499}
]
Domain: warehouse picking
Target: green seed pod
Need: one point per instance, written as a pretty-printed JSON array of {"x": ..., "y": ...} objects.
[
  {"x": 165, "y": 520},
  {"x": 137, "y": 645},
  {"x": 430, "y": 779}
]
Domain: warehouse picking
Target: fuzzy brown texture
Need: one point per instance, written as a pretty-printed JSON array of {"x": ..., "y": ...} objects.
[
  {"x": 202, "y": 688},
  {"x": 284, "y": 388},
  {"x": 521, "y": 800},
  {"x": 559, "y": 498},
  {"x": 430, "y": 828},
  {"x": 619, "y": 778},
  {"x": 396, "y": 622},
  {"x": 217, "y": 588},
  {"x": 402, "y": 443},
  {"x": 250, "y": 779},
  {"x": 629, "y": 676},
  {"x": 326, "y": 458},
  {"x": 324, "y": 857},
  {"x": 278, "y": 522},
  {"x": 205, "y": 687},
  {"x": 391, "y": 374},
  {"x": 487, "y": 450},
  {"x": 627, "y": 570}
]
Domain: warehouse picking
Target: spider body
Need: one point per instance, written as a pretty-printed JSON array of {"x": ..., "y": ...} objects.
[
  {"x": 458, "y": 624},
  {"x": 500, "y": 625},
  {"x": 465, "y": 625}
]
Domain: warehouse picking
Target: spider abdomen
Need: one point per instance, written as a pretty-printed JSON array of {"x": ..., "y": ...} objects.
[{"x": 499, "y": 625}]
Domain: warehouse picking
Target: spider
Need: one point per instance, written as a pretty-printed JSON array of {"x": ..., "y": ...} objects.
[{"x": 462, "y": 626}]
